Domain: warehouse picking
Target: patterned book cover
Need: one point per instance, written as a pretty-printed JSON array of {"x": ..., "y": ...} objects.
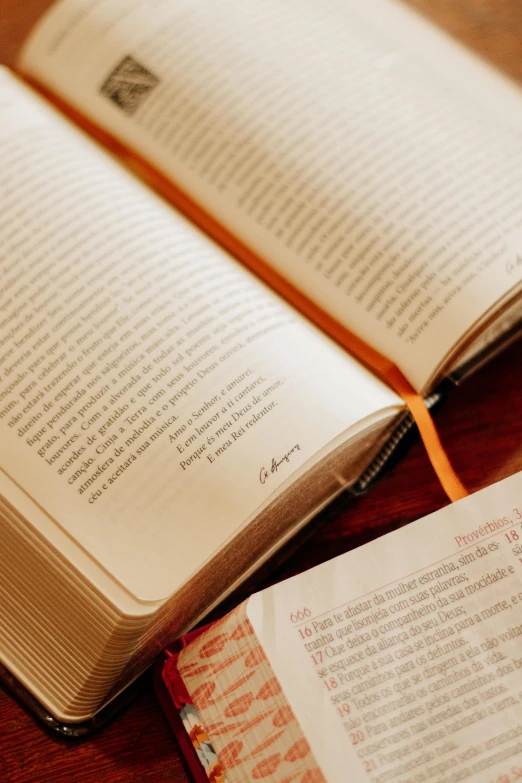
[{"x": 221, "y": 693}]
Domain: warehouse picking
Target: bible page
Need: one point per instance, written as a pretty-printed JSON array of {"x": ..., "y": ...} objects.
[
  {"x": 402, "y": 659},
  {"x": 368, "y": 158},
  {"x": 153, "y": 394}
]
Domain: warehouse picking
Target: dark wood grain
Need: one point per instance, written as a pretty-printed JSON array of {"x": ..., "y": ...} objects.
[{"x": 481, "y": 426}]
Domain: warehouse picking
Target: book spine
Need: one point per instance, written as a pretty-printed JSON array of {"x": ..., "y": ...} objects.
[
  {"x": 235, "y": 710},
  {"x": 397, "y": 444}
]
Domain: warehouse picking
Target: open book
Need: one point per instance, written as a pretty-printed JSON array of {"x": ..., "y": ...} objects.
[
  {"x": 166, "y": 420},
  {"x": 370, "y": 667}
]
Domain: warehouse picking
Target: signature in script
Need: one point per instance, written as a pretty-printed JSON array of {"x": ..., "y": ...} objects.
[{"x": 264, "y": 474}]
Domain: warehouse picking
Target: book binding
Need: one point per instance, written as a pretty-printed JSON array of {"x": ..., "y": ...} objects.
[{"x": 234, "y": 709}]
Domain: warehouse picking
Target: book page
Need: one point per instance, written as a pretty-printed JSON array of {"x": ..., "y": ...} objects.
[
  {"x": 402, "y": 659},
  {"x": 364, "y": 155},
  {"x": 153, "y": 394}
]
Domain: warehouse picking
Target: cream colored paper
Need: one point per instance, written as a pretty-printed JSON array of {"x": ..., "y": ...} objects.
[
  {"x": 153, "y": 394},
  {"x": 402, "y": 659},
  {"x": 364, "y": 155}
]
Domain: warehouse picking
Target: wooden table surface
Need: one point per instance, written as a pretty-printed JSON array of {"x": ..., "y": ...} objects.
[{"x": 481, "y": 426}]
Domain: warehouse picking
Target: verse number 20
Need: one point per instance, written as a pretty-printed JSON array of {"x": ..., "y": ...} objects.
[{"x": 356, "y": 737}]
